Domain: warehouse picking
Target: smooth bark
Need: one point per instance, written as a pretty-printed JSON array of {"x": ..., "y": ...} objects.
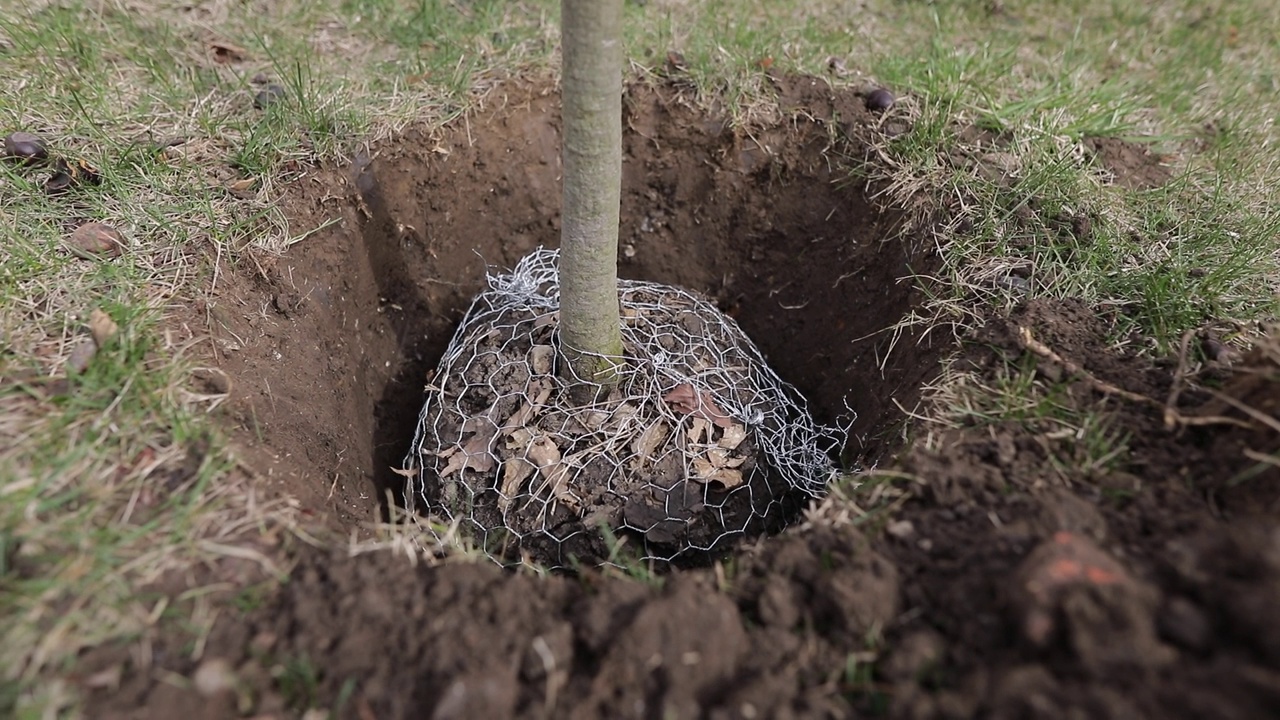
[{"x": 590, "y": 333}]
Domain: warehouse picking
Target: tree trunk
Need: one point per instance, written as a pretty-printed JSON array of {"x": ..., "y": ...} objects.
[{"x": 590, "y": 334}]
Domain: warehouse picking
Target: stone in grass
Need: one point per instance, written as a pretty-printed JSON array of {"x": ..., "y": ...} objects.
[
  {"x": 81, "y": 355},
  {"x": 25, "y": 148},
  {"x": 94, "y": 239},
  {"x": 879, "y": 100},
  {"x": 268, "y": 96},
  {"x": 101, "y": 329}
]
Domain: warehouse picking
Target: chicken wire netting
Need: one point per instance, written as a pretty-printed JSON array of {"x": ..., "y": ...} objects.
[{"x": 698, "y": 444}]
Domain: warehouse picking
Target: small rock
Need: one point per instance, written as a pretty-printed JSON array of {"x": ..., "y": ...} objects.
[
  {"x": 779, "y": 604},
  {"x": 25, "y": 148},
  {"x": 81, "y": 355},
  {"x": 879, "y": 100},
  {"x": 914, "y": 655},
  {"x": 108, "y": 679},
  {"x": 96, "y": 239},
  {"x": 1184, "y": 623},
  {"x": 268, "y": 96},
  {"x": 1071, "y": 594},
  {"x": 214, "y": 677},
  {"x": 214, "y": 380},
  {"x": 263, "y": 642},
  {"x": 901, "y": 529}
]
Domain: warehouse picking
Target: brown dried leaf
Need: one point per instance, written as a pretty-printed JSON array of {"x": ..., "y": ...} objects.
[
  {"x": 699, "y": 428},
  {"x": 521, "y": 418},
  {"x": 685, "y": 399},
  {"x": 705, "y": 471},
  {"x": 733, "y": 436},
  {"x": 555, "y": 473},
  {"x": 514, "y": 472},
  {"x": 543, "y": 452},
  {"x": 475, "y": 454},
  {"x": 242, "y": 188},
  {"x": 648, "y": 441},
  {"x": 542, "y": 358},
  {"x": 102, "y": 327},
  {"x": 224, "y": 52},
  {"x": 720, "y": 458}
]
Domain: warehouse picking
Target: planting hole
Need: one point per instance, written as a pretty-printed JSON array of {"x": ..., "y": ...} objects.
[{"x": 330, "y": 346}]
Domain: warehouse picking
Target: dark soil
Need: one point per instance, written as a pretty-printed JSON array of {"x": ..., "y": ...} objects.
[
  {"x": 1130, "y": 164},
  {"x": 1013, "y": 577}
]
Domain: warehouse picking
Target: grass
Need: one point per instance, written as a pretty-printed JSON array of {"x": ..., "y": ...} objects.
[{"x": 116, "y": 478}]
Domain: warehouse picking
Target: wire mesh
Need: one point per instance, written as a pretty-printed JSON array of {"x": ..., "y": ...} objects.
[{"x": 699, "y": 443}]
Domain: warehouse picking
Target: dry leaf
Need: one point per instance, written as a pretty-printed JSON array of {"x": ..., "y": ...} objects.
[
  {"x": 685, "y": 399},
  {"x": 242, "y": 188},
  {"x": 105, "y": 679},
  {"x": 520, "y": 418},
  {"x": 541, "y": 390},
  {"x": 542, "y": 358},
  {"x": 648, "y": 441},
  {"x": 518, "y": 439},
  {"x": 475, "y": 454},
  {"x": 705, "y": 471},
  {"x": 721, "y": 458},
  {"x": 699, "y": 428},
  {"x": 543, "y": 452},
  {"x": 102, "y": 327},
  {"x": 514, "y": 472},
  {"x": 733, "y": 436},
  {"x": 555, "y": 473},
  {"x": 225, "y": 52},
  {"x": 409, "y": 473}
]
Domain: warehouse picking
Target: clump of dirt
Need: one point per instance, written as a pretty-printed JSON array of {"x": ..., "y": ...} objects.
[
  {"x": 1065, "y": 587},
  {"x": 1132, "y": 165}
]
